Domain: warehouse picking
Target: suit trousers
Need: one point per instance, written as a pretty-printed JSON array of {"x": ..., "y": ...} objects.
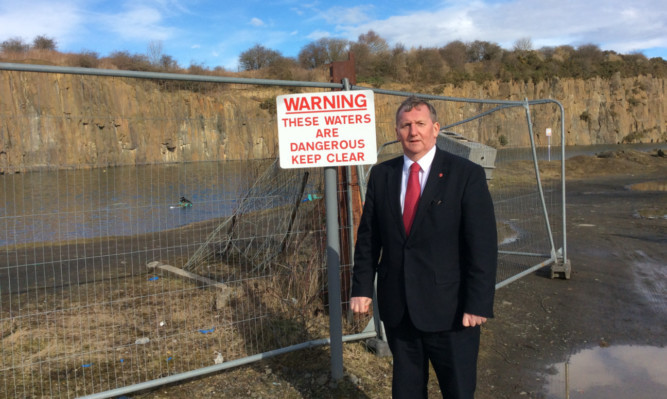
[{"x": 453, "y": 355}]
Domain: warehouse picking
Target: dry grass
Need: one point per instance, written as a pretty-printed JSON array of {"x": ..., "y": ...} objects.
[
  {"x": 82, "y": 339},
  {"x": 47, "y": 349},
  {"x": 93, "y": 60}
]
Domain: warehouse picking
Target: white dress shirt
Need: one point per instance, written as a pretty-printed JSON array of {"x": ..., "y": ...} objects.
[{"x": 425, "y": 165}]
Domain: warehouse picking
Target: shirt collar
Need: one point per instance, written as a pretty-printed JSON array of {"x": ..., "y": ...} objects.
[{"x": 424, "y": 162}]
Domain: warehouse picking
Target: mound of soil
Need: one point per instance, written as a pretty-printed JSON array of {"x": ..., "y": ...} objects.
[{"x": 615, "y": 163}]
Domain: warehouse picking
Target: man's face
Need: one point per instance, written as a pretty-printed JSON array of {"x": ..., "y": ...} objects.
[{"x": 416, "y": 131}]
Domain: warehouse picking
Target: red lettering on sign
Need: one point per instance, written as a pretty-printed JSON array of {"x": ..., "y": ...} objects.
[
  {"x": 306, "y": 159},
  {"x": 338, "y": 102},
  {"x": 300, "y": 122},
  {"x": 327, "y": 132},
  {"x": 346, "y": 157}
]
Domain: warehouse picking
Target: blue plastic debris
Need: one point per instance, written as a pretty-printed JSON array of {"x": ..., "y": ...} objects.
[
  {"x": 311, "y": 197},
  {"x": 169, "y": 358},
  {"x": 153, "y": 278},
  {"x": 86, "y": 365},
  {"x": 207, "y": 331}
]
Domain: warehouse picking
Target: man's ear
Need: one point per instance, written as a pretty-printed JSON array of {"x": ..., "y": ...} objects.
[{"x": 436, "y": 127}]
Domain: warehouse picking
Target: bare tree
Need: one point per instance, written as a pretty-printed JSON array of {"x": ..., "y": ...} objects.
[
  {"x": 454, "y": 54},
  {"x": 375, "y": 43},
  {"x": 86, "y": 59},
  {"x": 398, "y": 62},
  {"x": 563, "y": 53},
  {"x": 483, "y": 51},
  {"x": 313, "y": 55},
  {"x": 323, "y": 51},
  {"x": 155, "y": 52},
  {"x": 123, "y": 60},
  {"x": 547, "y": 51},
  {"x": 363, "y": 59},
  {"x": 168, "y": 62},
  {"x": 427, "y": 65},
  {"x": 523, "y": 44},
  {"x": 283, "y": 68},
  {"x": 257, "y": 57},
  {"x": 590, "y": 51},
  {"x": 14, "y": 45},
  {"x": 371, "y": 54},
  {"x": 42, "y": 42},
  {"x": 337, "y": 49}
]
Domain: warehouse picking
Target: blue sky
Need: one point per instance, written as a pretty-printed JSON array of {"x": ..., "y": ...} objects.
[{"x": 214, "y": 33}]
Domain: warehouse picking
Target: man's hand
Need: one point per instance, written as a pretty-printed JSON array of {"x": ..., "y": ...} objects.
[
  {"x": 470, "y": 320},
  {"x": 360, "y": 304}
]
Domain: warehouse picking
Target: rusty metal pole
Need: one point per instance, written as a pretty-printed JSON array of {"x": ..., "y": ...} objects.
[{"x": 349, "y": 198}]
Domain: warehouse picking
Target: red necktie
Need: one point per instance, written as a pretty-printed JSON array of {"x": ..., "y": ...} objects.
[{"x": 412, "y": 194}]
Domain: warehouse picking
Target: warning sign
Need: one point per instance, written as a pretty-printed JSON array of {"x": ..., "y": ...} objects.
[{"x": 326, "y": 129}]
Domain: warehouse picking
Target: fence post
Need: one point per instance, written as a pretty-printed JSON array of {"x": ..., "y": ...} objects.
[
  {"x": 539, "y": 180},
  {"x": 333, "y": 273},
  {"x": 339, "y": 71},
  {"x": 348, "y": 199}
]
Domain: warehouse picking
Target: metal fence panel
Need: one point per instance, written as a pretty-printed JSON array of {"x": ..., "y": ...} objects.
[{"x": 108, "y": 280}]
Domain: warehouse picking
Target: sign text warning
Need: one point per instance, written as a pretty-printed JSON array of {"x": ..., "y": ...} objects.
[{"x": 326, "y": 129}]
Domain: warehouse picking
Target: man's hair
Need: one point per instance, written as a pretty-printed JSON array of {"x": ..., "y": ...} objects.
[{"x": 412, "y": 102}]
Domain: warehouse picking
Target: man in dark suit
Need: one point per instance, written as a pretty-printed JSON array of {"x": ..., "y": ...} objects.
[{"x": 431, "y": 239}]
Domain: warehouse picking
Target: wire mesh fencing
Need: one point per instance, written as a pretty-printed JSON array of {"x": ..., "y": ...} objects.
[
  {"x": 525, "y": 173},
  {"x": 145, "y": 235},
  {"x": 131, "y": 251},
  {"x": 84, "y": 315}
]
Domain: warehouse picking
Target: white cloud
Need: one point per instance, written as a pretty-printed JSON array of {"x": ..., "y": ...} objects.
[
  {"x": 173, "y": 5},
  {"x": 130, "y": 24},
  {"x": 138, "y": 22},
  {"x": 29, "y": 19},
  {"x": 612, "y": 24},
  {"x": 351, "y": 15},
  {"x": 318, "y": 34}
]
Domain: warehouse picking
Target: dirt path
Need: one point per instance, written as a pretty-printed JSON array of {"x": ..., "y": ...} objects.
[{"x": 617, "y": 294}]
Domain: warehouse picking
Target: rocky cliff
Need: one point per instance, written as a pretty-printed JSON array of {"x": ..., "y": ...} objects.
[{"x": 67, "y": 121}]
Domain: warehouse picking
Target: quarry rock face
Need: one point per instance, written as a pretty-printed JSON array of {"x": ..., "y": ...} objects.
[{"x": 71, "y": 121}]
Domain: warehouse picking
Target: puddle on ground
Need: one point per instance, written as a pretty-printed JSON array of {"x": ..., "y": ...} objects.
[{"x": 616, "y": 372}]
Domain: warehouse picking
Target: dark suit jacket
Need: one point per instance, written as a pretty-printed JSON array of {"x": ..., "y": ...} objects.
[{"x": 447, "y": 266}]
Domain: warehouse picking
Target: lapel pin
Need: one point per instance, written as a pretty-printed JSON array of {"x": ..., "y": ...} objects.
[{"x": 440, "y": 175}]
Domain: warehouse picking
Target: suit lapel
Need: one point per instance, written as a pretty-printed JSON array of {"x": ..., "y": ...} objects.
[
  {"x": 394, "y": 191},
  {"x": 436, "y": 179}
]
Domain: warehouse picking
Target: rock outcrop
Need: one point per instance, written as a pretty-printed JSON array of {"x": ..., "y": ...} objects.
[{"x": 69, "y": 121}]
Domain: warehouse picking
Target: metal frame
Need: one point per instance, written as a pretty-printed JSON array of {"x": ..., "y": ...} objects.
[
  {"x": 560, "y": 264},
  {"x": 558, "y": 259}
]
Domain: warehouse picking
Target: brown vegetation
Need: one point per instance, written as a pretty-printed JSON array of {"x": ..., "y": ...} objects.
[{"x": 376, "y": 62}]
